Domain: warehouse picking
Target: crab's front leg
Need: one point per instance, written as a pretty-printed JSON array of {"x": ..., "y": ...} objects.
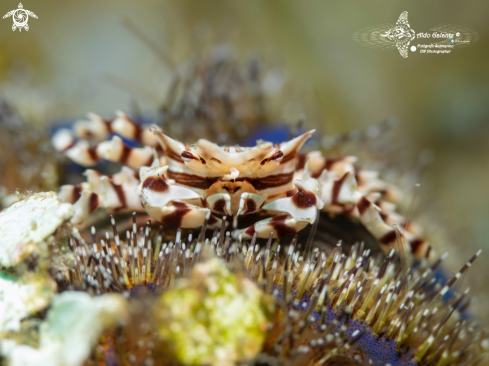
[
  {"x": 169, "y": 203},
  {"x": 181, "y": 214},
  {"x": 299, "y": 208},
  {"x": 280, "y": 225}
]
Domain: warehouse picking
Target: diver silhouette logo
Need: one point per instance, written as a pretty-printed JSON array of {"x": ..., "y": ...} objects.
[
  {"x": 20, "y": 17},
  {"x": 401, "y": 34}
]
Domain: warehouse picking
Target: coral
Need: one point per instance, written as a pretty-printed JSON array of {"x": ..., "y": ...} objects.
[
  {"x": 72, "y": 326},
  {"x": 20, "y": 297},
  {"x": 27, "y": 223},
  {"x": 212, "y": 317}
]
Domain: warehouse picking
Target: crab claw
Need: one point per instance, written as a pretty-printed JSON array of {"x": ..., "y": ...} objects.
[
  {"x": 156, "y": 191},
  {"x": 250, "y": 203},
  {"x": 280, "y": 225},
  {"x": 220, "y": 203},
  {"x": 180, "y": 214},
  {"x": 302, "y": 203},
  {"x": 93, "y": 180}
]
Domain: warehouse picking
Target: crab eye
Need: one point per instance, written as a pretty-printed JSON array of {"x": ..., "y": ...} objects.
[
  {"x": 277, "y": 155},
  {"x": 188, "y": 155}
]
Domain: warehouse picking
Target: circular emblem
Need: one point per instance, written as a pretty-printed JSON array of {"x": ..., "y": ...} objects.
[{"x": 20, "y": 18}]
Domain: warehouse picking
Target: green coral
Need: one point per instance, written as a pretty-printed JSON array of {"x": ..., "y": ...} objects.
[{"x": 214, "y": 317}]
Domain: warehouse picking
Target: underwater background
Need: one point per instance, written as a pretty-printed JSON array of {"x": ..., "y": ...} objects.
[{"x": 85, "y": 56}]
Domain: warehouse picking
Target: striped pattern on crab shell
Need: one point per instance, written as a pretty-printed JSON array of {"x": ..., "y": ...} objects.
[
  {"x": 203, "y": 183},
  {"x": 206, "y": 159}
]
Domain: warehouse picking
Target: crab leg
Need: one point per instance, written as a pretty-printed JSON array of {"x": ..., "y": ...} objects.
[
  {"x": 116, "y": 193},
  {"x": 97, "y": 129},
  {"x": 85, "y": 205},
  {"x": 114, "y": 150},
  {"x": 345, "y": 195}
]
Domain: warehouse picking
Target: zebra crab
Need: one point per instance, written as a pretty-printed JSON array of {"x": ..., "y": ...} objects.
[{"x": 186, "y": 185}]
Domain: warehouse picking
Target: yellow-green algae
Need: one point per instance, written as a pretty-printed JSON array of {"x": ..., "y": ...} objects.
[{"x": 213, "y": 317}]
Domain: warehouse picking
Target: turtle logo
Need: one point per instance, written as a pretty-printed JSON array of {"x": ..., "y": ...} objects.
[
  {"x": 20, "y": 17},
  {"x": 401, "y": 34}
]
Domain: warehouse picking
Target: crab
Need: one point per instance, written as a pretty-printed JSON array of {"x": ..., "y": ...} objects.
[{"x": 186, "y": 186}]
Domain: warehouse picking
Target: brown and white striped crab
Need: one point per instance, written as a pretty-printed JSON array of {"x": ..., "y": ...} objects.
[{"x": 184, "y": 185}]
